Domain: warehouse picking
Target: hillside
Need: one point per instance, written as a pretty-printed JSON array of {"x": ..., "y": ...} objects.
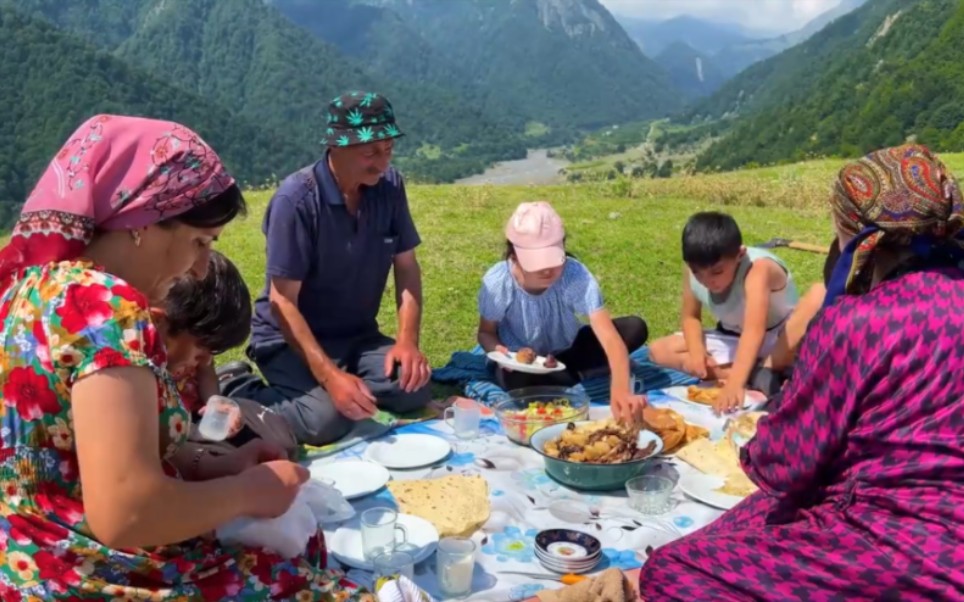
[
  {"x": 706, "y": 37},
  {"x": 783, "y": 77},
  {"x": 897, "y": 74},
  {"x": 695, "y": 74},
  {"x": 628, "y": 236},
  {"x": 52, "y": 82},
  {"x": 560, "y": 63},
  {"x": 249, "y": 58},
  {"x": 736, "y": 57}
]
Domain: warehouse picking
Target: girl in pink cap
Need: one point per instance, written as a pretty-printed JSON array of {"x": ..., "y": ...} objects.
[
  {"x": 533, "y": 299},
  {"x": 99, "y": 497}
]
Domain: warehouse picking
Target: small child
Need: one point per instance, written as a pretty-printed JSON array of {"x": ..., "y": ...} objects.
[
  {"x": 751, "y": 294},
  {"x": 200, "y": 319},
  {"x": 533, "y": 299}
]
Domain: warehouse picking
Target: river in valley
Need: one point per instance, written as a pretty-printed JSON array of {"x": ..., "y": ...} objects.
[{"x": 538, "y": 168}]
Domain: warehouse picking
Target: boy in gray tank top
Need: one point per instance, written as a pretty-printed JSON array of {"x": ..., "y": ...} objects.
[{"x": 751, "y": 295}]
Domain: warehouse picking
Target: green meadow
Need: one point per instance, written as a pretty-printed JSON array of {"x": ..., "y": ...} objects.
[{"x": 627, "y": 231}]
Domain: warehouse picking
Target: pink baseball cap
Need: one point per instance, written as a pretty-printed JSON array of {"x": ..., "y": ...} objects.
[{"x": 536, "y": 233}]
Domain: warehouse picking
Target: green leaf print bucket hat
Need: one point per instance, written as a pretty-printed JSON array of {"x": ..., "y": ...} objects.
[{"x": 360, "y": 118}]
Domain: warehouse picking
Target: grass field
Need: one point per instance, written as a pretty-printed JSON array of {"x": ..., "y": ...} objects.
[{"x": 626, "y": 231}]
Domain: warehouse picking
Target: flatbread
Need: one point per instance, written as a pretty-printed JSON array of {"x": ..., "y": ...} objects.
[
  {"x": 458, "y": 505},
  {"x": 720, "y": 459}
]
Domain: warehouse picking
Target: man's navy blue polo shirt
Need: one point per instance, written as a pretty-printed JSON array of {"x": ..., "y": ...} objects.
[{"x": 342, "y": 260}]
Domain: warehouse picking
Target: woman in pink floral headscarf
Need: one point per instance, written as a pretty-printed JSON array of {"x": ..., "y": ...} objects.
[{"x": 98, "y": 500}]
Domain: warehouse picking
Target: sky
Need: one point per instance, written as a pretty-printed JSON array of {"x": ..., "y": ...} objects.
[{"x": 778, "y": 16}]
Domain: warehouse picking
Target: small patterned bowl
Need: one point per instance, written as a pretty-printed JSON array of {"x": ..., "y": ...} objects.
[{"x": 567, "y": 544}]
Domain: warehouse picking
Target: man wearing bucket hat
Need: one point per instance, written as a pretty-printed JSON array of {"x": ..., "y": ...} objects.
[{"x": 334, "y": 229}]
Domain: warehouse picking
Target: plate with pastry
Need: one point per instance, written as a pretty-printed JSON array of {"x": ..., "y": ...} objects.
[
  {"x": 526, "y": 360},
  {"x": 704, "y": 395}
]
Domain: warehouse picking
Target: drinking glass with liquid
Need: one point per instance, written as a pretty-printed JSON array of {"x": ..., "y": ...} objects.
[
  {"x": 464, "y": 417},
  {"x": 219, "y": 413},
  {"x": 455, "y": 563}
]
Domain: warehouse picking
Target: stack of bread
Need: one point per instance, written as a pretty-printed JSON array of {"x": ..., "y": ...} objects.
[
  {"x": 722, "y": 458},
  {"x": 457, "y": 505}
]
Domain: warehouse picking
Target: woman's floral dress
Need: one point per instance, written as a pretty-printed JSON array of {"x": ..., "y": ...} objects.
[{"x": 61, "y": 322}]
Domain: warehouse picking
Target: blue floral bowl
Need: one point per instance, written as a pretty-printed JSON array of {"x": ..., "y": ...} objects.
[
  {"x": 567, "y": 544},
  {"x": 587, "y": 476}
]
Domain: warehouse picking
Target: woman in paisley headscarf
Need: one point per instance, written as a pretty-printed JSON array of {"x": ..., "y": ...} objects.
[
  {"x": 861, "y": 463},
  {"x": 97, "y": 497}
]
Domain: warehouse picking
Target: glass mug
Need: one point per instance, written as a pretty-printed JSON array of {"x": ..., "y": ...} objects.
[
  {"x": 455, "y": 563},
  {"x": 464, "y": 417},
  {"x": 378, "y": 529}
]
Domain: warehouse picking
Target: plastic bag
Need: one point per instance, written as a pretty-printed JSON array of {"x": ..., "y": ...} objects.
[
  {"x": 288, "y": 534},
  {"x": 326, "y": 503}
]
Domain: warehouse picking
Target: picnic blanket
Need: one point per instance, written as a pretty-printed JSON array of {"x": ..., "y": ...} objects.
[
  {"x": 521, "y": 494},
  {"x": 470, "y": 369}
]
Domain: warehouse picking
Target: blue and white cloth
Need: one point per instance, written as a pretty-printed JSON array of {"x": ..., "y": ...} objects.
[{"x": 469, "y": 369}]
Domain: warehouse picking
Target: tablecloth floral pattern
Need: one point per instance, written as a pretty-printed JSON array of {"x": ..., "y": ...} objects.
[{"x": 521, "y": 493}]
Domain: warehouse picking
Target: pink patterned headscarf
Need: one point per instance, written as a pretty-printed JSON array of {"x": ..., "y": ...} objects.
[{"x": 113, "y": 173}]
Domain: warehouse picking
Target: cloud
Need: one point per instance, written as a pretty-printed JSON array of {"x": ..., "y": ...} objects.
[{"x": 773, "y": 15}]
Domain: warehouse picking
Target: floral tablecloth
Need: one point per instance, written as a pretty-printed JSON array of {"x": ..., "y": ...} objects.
[{"x": 520, "y": 494}]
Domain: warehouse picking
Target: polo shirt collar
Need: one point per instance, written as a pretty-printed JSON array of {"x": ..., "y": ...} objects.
[{"x": 327, "y": 184}]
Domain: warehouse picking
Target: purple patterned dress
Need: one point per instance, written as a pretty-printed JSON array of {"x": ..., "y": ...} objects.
[{"x": 860, "y": 466}]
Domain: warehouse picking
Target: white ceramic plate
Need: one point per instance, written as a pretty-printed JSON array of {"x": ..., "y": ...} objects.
[
  {"x": 345, "y": 543},
  {"x": 537, "y": 367},
  {"x": 702, "y": 488},
  {"x": 403, "y": 452},
  {"x": 680, "y": 394},
  {"x": 353, "y": 478}
]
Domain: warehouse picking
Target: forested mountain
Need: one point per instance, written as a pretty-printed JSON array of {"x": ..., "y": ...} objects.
[
  {"x": 890, "y": 71},
  {"x": 559, "y": 63},
  {"x": 248, "y": 57},
  {"x": 694, "y": 73},
  {"x": 736, "y": 57},
  {"x": 53, "y": 81},
  {"x": 706, "y": 37}
]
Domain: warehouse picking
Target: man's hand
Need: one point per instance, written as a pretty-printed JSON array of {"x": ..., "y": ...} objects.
[
  {"x": 351, "y": 396},
  {"x": 415, "y": 371},
  {"x": 627, "y": 407},
  {"x": 730, "y": 399}
]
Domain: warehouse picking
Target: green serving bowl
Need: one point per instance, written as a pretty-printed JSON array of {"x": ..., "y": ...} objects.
[{"x": 587, "y": 476}]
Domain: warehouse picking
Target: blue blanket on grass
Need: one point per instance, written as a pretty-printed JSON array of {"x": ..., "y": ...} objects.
[{"x": 469, "y": 369}]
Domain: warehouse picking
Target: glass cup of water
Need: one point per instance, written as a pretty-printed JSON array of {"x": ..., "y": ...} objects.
[
  {"x": 219, "y": 413},
  {"x": 650, "y": 494},
  {"x": 464, "y": 417},
  {"x": 394, "y": 564},
  {"x": 455, "y": 563},
  {"x": 378, "y": 528}
]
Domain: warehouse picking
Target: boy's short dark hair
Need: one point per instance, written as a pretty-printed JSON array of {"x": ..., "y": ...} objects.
[
  {"x": 710, "y": 236},
  {"x": 215, "y": 310}
]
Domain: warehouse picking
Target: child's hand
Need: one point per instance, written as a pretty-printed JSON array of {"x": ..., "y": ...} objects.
[
  {"x": 697, "y": 365},
  {"x": 627, "y": 407},
  {"x": 504, "y": 351},
  {"x": 730, "y": 399},
  {"x": 236, "y": 421}
]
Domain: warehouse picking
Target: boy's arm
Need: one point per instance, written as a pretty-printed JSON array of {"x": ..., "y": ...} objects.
[
  {"x": 757, "y": 290},
  {"x": 691, "y": 323}
]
